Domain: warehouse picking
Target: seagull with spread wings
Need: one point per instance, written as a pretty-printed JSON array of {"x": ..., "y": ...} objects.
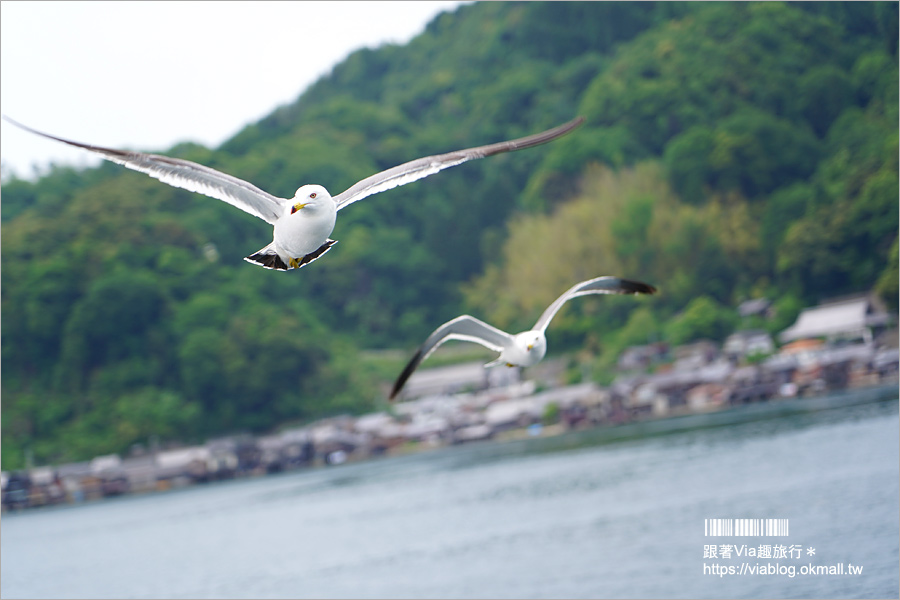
[
  {"x": 303, "y": 223},
  {"x": 521, "y": 350}
]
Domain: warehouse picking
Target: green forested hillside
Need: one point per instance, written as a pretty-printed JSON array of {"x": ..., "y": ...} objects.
[{"x": 730, "y": 151}]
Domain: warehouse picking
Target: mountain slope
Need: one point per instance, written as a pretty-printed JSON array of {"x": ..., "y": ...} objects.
[{"x": 764, "y": 137}]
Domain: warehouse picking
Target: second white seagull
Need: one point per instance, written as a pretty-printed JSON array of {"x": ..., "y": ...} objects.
[
  {"x": 523, "y": 349},
  {"x": 302, "y": 224}
]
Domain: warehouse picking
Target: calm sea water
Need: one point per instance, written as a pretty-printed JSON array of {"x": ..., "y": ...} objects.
[{"x": 614, "y": 513}]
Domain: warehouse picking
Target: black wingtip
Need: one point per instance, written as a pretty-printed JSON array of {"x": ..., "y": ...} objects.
[
  {"x": 407, "y": 371},
  {"x": 100, "y": 149},
  {"x": 13, "y": 121},
  {"x": 637, "y": 287},
  {"x": 559, "y": 131},
  {"x": 23, "y": 127}
]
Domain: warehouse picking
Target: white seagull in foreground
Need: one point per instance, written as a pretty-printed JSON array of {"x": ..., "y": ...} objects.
[
  {"x": 303, "y": 223},
  {"x": 521, "y": 350}
]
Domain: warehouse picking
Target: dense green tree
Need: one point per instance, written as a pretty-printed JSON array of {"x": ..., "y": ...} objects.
[{"x": 703, "y": 318}]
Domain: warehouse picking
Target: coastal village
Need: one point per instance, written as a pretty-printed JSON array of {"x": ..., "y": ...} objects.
[{"x": 842, "y": 344}]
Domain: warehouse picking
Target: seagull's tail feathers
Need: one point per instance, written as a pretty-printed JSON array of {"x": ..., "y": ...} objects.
[{"x": 269, "y": 259}]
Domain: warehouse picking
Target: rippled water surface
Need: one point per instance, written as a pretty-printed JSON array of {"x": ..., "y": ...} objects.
[{"x": 615, "y": 512}]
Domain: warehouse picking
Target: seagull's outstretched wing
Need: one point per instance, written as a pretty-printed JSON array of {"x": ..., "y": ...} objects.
[
  {"x": 429, "y": 165},
  {"x": 600, "y": 285},
  {"x": 465, "y": 328},
  {"x": 188, "y": 175}
]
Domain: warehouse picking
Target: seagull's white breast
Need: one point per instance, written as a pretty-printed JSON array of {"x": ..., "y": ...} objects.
[{"x": 302, "y": 232}]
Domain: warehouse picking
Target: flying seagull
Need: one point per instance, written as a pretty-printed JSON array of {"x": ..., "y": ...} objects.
[
  {"x": 303, "y": 223},
  {"x": 521, "y": 350}
]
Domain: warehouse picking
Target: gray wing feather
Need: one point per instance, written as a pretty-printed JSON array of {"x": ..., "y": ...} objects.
[
  {"x": 189, "y": 176},
  {"x": 464, "y": 328},
  {"x": 429, "y": 165},
  {"x": 468, "y": 329},
  {"x": 600, "y": 285}
]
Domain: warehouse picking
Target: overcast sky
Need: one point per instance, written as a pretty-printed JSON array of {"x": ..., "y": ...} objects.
[{"x": 147, "y": 75}]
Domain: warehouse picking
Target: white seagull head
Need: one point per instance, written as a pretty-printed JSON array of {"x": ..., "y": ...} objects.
[
  {"x": 528, "y": 348},
  {"x": 310, "y": 198}
]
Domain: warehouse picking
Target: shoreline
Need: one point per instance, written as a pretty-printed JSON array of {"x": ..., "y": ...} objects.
[{"x": 609, "y": 433}]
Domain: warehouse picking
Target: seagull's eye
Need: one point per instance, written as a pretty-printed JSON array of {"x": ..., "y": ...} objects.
[{"x": 313, "y": 195}]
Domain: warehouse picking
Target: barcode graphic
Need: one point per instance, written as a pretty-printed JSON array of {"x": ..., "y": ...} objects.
[{"x": 745, "y": 527}]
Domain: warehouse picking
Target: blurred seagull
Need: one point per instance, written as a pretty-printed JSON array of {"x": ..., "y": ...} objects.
[
  {"x": 521, "y": 350},
  {"x": 303, "y": 223}
]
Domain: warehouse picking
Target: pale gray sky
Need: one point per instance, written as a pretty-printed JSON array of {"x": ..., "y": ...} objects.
[{"x": 147, "y": 75}]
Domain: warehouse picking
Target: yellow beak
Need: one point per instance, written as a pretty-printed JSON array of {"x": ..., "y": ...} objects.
[{"x": 297, "y": 207}]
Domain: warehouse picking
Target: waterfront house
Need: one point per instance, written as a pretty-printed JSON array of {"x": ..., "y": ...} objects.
[
  {"x": 757, "y": 307},
  {"x": 180, "y": 466},
  {"x": 140, "y": 472},
  {"x": 335, "y": 435},
  {"x": 695, "y": 355},
  {"x": 749, "y": 342},
  {"x": 707, "y": 395},
  {"x": 641, "y": 358},
  {"x": 853, "y": 318}
]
